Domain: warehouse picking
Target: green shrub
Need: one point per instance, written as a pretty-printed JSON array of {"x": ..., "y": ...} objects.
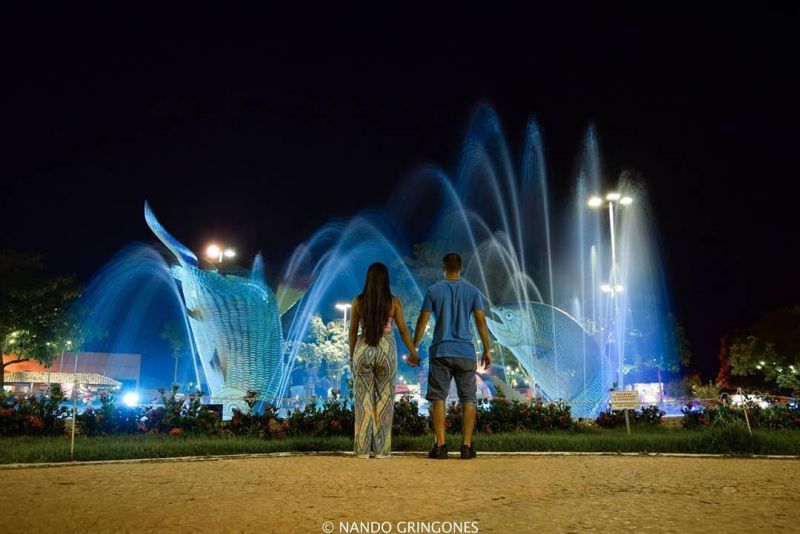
[
  {"x": 332, "y": 418},
  {"x": 500, "y": 415},
  {"x": 40, "y": 414},
  {"x": 250, "y": 423},
  {"x": 192, "y": 416},
  {"x": 110, "y": 419},
  {"x": 645, "y": 416},
  {"x": 775, "y": 416},
  {"x": 407, "y": 420}
]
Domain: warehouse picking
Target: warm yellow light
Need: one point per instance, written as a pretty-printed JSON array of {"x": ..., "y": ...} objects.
[
  {"x": 230, "y": 253},
  {"x": 613, "y": 197},
  {"x": 595, "y": 202},
  {"x": 213, "y": 251}
]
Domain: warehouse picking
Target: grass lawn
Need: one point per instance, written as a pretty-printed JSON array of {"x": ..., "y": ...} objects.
[{"x": 729, "y": 440}]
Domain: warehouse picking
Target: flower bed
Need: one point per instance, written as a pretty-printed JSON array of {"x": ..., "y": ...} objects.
[
  {"x": 778, "y": 415},
  {"x": 644, "y": 416},
  {"x": 42, "y": 414}
]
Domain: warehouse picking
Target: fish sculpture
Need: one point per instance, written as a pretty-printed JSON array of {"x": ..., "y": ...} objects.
[
  {"x": 555, "y": 350},
  {"x": 235, "y": 322}
]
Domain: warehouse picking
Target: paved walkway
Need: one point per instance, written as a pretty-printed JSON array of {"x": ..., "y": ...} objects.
[{"x": 408, "y": 495}]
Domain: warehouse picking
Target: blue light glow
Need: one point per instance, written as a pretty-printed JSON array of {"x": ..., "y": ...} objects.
[{"x": 131, "y": 399}]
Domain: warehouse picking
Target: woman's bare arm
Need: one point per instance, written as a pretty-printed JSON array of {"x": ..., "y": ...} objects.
[
  {"x": 400, "y": 321},
  {"x": 352, "y": 335}
]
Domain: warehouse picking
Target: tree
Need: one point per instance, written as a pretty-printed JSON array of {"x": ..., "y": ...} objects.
[
  {"x": 175, "y": 334},
  {"x": 724, "y": 374},
  {"x": 770, "y": 349},
  {"x": 664, "y": 351},
  {"x": 657, "y": 347},
  {"x": 35, "y": 321},
  {"x": 324, "y": 343}
]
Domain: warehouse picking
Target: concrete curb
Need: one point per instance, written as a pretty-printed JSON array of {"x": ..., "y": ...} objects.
[{"x": 398, "y": 454}]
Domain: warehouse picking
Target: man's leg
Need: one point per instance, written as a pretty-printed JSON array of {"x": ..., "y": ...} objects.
[
  {"x": 438, "y": 421},
  {"x": 464, "y": 373},
  {"x": 439, "y": 377},
  {"x": 468, "y": 422}
]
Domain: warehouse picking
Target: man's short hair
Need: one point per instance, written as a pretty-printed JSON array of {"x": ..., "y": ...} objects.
[{"x": 452, "y": 262}]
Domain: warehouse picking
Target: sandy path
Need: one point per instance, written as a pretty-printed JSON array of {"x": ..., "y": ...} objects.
[{"x": 503, "y": 494}]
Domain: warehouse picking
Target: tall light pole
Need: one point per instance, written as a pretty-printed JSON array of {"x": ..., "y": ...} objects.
[
  {"x": 75, "y": 386},
  {"x": 343, "y": 307},
  {"x": 218, "y": 254},
  {"x": 613, "y": 200}
]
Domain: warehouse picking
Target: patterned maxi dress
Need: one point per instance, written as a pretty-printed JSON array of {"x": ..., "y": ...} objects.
[{"x": 374, "y": 372}]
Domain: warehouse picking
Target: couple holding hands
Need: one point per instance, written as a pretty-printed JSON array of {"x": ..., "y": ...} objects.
[{"x": 373, "y": 355}]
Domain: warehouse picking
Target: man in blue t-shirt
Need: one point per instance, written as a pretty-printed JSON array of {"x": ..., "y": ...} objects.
[{"x": 452, "y": 355}]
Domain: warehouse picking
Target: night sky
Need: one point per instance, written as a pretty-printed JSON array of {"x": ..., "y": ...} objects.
[{"x": 257, "y": 128}]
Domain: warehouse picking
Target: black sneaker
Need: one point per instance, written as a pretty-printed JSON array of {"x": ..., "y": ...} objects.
[
  {"x": 438, "y": 452},
  {"x": 468, "y": 452}
]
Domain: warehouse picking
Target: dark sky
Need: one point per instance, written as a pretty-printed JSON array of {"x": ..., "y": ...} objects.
[{"x": 257, "y": 128}]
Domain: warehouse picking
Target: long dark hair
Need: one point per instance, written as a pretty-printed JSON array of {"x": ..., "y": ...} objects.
[{"x": 375, "y": 303}]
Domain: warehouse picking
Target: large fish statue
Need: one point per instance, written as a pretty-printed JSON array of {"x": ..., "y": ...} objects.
[
  {"x": 555, "y": 350},
  {"x": 235, "y": 322}
]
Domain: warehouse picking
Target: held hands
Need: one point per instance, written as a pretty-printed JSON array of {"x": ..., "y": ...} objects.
[{"x": 413, "y": 358}]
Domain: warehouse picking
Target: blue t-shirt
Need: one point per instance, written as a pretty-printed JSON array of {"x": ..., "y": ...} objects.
[{"x": 452, "y": 302}]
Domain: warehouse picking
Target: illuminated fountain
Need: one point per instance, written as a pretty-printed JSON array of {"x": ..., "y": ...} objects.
[
  {"x": 567, "y": 310},
  {"x": 574, "y": 300}
]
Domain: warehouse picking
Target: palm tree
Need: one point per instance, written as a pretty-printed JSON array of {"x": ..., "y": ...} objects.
[{"x": 175, "y": 335}]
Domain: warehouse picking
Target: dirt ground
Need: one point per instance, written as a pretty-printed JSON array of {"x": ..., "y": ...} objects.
[{"x": 407, "y": 495}]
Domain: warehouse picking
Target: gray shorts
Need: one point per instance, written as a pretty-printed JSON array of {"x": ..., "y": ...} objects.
[{"x": 442, "y": 370}]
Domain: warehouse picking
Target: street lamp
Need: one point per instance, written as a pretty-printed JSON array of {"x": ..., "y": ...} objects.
[
  {"x": 613, "y": 287},
  {"x": 612, "y": 290},
  {"x": 343, "y": 307},
  {"x": 217, "y": 253}
]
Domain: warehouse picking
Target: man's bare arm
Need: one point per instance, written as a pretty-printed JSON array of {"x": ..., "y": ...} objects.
[
  {"x": 483, "y": 332},
  {"x": 422, "y": 324}
]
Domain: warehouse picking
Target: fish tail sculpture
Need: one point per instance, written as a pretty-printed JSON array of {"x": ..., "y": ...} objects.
[{"x": 235, "y": 322}]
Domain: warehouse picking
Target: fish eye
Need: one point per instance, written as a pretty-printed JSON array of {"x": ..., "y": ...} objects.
[{"x": 509, "y": 316}]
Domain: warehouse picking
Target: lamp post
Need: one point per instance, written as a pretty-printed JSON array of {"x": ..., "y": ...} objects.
[
  {"x": 344, "y": 307},
  {"x": 217, "y": 254},
  {"x": 613, "y": 201},
  {"x": 74, "y": 397}
]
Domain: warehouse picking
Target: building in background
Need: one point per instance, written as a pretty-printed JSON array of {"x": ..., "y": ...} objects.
[{"x": 92, "y": 370}]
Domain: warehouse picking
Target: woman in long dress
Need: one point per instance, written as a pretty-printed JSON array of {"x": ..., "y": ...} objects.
[{"x": 373, "y": 359}]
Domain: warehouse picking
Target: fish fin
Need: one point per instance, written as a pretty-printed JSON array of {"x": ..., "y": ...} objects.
[
  {"x": 181, "y": 252},
  {"x": 287, "y": 297}
]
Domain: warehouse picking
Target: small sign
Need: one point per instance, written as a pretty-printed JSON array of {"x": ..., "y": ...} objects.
[{"x": 625, "y": 400}]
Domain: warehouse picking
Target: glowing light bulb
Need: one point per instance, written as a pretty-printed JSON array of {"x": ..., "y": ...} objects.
[{"x": 213, "y": 251}]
